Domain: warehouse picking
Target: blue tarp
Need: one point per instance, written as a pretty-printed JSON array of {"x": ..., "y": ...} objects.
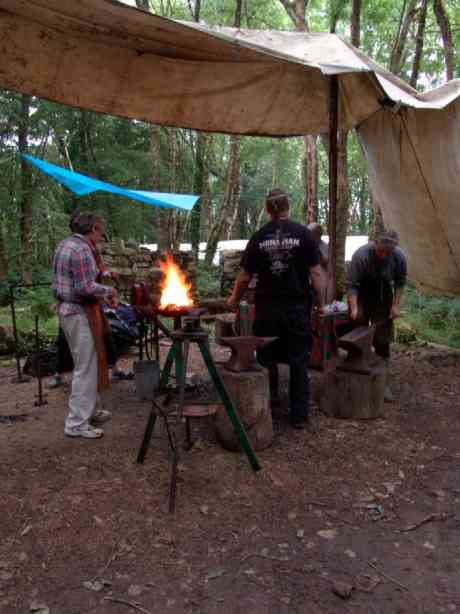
[{"x": 81, "y": 185}]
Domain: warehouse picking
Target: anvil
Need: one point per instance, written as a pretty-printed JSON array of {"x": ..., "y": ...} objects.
[{"x": 243, "y": 352}]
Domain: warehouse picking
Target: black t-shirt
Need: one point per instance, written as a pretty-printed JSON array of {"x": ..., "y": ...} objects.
[{"x": 281, "y": 254}]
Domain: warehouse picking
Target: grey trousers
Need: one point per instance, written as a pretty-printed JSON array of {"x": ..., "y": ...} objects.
[{"x": 83, "y": 397}]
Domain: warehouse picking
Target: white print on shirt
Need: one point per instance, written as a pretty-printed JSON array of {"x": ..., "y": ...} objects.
[{"x": 279, "y": 252}]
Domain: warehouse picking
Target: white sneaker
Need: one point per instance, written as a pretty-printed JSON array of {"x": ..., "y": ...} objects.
[
  {"x": 100, "y": 416},
  {"x": 87, "y": 432}
]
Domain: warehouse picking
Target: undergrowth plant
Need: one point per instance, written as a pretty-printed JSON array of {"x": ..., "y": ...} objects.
[{"x": 434, "y": 318}]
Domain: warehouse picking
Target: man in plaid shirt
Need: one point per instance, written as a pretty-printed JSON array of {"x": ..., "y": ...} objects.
[{"x": 75, "y": 272}]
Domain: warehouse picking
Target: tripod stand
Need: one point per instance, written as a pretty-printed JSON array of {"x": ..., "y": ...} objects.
[{"x": 178, "y": 354}]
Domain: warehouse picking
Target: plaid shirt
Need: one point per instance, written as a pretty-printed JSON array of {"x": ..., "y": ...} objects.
[{"x": 75, "y": 270}]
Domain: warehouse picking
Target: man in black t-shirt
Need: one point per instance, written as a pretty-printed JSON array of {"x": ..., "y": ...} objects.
[{"x": 284, "y": 257}]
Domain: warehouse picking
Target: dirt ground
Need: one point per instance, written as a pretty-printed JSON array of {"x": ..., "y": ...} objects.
[{"x": 369, "y": 508}]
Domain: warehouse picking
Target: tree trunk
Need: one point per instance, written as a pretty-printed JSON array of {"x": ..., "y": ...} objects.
[
  {"x": 363, "y": 217},
  {"x": 408, "y": 13},
  {"x": 336, "y": 11},
  {"x": 229, "y": 202},
  {"x": 343, "y": 202},
  {"x": 297, "y": 12},
  {"x": 172, "y": 215},
  {"x": 159, "y": 215},
  {"x": 446, "y": 33},
  {"x": 232, "y": 192},
  {"x": 26, "y": 199},
  {"x": 310, "y": 179},
  {"x": 355, "y": 25},
  {"x": 200, "y": 182},
  {"x": 3, "y": 263},
  {"x": 419, "y": 44}
]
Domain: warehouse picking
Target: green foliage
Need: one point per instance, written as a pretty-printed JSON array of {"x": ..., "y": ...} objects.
[
  {"x": 434, "y": 318},
  {"x": 40, "y": 302},
  {"x": 120, "y": 151},
  {"x": 208, "y": 281}
]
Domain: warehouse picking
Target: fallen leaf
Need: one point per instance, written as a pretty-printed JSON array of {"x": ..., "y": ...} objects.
[
  {"x": 342, "y": 589},
  {"x": 93, "y": 586},
  {"x": 215, "y": 573},
  {"x": 134, "y": 590},
  {"x": 27, "y": 529},
  {"x": 286, "y": 600},
  {"x": 5, "y": 576},
  {"x": 328, "y": 533},
  {"x": 39, "y": 608}
]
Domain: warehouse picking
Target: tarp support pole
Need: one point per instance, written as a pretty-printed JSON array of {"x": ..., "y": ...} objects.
[{"x": 333, "y": 182}]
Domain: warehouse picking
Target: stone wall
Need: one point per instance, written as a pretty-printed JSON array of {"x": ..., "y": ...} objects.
[
  {"x": 134, "y": 264},
  {"x": 229, "y": 264}
]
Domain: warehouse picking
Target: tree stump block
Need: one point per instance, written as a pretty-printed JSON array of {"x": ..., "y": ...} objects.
[
  {"x": 250, "y": 394},
  {"x": 354, "y": 395}
]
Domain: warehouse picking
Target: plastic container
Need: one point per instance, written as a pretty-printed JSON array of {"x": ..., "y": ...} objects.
[{"x": 146, "y": 379}]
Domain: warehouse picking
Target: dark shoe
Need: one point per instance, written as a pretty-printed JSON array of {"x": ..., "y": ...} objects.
[
  {"x": 300, "y": 425},
  {"x": 100, "y": 416},
  {"x": 121, "y": 375},
  {"x": 305, "y": 424}
]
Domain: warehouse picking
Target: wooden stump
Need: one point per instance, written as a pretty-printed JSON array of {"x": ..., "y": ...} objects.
[
  {"x": 354, "y": 395},
  {"x": 250, "y": 395}
]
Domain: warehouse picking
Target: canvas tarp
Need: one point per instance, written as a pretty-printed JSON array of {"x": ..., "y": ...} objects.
[
  {"x": 105, "y": 56},
  {"x": 82, "y": 185},
  {"x": 414, "y": 166}
]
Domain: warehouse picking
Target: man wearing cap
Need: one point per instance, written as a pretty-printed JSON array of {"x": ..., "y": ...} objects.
[
  {"x": 284, "y": 257},
  {"x": 376, "y": 278},
  {"x": 75, "y": 273}
]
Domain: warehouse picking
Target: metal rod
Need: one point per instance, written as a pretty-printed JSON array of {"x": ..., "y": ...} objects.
[
  {"x": 156, "y": 338},
  {"x": 166, "y": 372},
  {"x": 19, "y": 379},
  {"x": 147, "y": 435},
  {"x": 141, "y": 338},
  {"x": 228, "y": 404},
  {"x": 40, "y": 401},
  {"x": 174, "y": 466}
]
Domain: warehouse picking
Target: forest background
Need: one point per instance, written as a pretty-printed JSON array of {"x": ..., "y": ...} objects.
[{"x": 415, "y": 39}]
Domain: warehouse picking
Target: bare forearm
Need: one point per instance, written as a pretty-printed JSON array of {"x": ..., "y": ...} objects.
[
  {"x": 240, "y": 287},
  {"x": 318, "y": 280}
]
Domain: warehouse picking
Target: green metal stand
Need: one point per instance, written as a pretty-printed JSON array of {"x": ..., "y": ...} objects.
[{"x": 178, "y": 355}]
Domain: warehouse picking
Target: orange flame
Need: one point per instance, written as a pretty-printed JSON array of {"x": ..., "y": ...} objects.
[{"x": 175, "y": 289}]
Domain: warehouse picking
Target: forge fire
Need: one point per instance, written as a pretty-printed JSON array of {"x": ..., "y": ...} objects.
[{"x": 175, "y": 288}]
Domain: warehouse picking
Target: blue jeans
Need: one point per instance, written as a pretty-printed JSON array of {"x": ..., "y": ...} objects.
[{"x": 291, "y": 326}]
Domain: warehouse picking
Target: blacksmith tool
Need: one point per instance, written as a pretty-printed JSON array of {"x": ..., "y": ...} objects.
[
  {"x": 191, "y": 332},
  {"x": 243, "y": 352},
  {"x": 358, "y": 344}
]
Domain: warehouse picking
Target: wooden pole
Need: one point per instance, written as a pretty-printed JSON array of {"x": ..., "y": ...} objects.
[{"x": 333, "y": 180}]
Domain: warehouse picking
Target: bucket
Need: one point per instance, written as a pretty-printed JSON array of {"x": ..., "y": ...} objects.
[{"x": 146, "y": 379}]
